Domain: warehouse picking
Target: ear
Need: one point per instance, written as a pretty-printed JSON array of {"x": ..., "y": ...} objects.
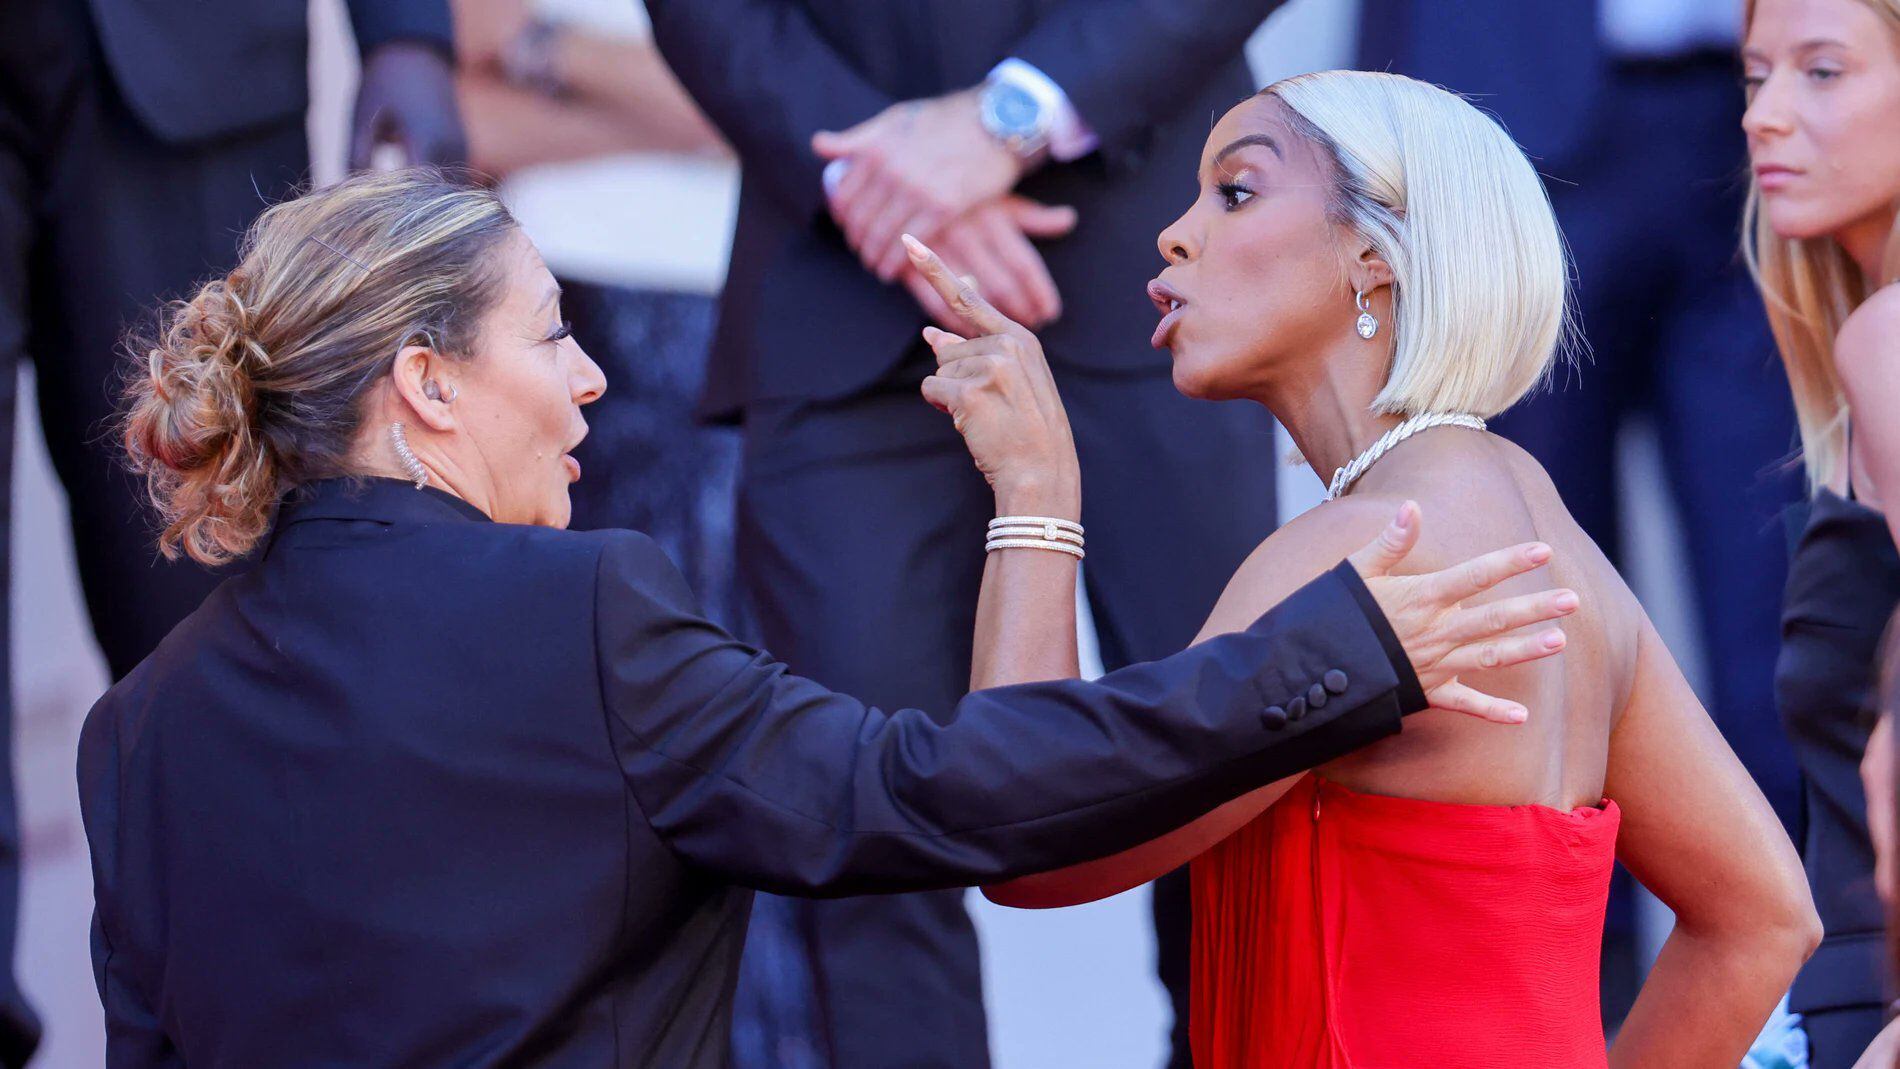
[
  {"x": 414, "y": 366},
  {"x": 1369, "y": 271}
]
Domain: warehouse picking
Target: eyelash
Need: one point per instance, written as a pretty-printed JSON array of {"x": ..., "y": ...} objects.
[
  {"x": 564, "y": 331},
  {"x": 1231, "y": 191}
]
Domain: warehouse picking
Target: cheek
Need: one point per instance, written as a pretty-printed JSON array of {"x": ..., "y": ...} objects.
[{"x": 1856, "y": 169}]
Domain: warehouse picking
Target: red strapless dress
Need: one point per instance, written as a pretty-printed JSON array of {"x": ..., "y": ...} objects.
[{"x": 1354, "y": 931}]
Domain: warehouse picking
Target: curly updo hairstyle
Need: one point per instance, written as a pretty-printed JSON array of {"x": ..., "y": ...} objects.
[{"x": 256, "y": 384}]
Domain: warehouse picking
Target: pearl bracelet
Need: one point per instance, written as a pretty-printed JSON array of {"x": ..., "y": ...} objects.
[
  {"x": 1034, "y": 532},
  {"x": 1070, "y": 548}
]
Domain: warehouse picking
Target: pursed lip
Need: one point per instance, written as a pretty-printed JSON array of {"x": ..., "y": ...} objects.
[{"x": 1169, "y": 302}]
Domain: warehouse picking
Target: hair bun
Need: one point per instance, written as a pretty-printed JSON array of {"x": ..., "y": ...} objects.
[{"x": 191, "y": 425}]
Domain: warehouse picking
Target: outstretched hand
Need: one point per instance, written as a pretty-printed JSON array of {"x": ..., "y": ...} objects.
[{"x": 1445, "y": 639}]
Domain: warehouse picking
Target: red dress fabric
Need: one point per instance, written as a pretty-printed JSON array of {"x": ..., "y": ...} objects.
[{"x": 1343, "y": 930}]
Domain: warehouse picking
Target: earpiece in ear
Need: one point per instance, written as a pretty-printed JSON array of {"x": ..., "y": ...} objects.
[{"x": 434, "y": 392}]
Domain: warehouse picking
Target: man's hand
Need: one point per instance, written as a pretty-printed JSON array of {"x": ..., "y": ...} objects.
[
  {"x": 1445, "y": 639},
  {"x": 408, "y": 96},
  {"x": 990, "y": 245},
  {"x": 914, "y": 167}
]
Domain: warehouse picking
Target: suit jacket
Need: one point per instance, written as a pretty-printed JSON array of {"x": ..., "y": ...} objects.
[
  {"x": 202, "y": 69},
  {"x": 422, "y": 789},
  {"x": 800, "y": 317},
  {"x": 1535, "y": 66}
]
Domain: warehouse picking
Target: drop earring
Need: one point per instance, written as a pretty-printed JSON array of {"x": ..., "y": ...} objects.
[
  {"x": 417, "y": 473},
  {"x": 1367, "y": 325}
]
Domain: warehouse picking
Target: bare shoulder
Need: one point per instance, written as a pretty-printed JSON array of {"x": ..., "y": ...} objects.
[
  {"x": 1871, "y": 331},
  {"x": 1300, "y": 551}
]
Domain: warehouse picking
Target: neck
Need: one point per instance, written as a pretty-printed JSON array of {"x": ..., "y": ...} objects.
[
  {"x": 1328, "y": 410},
  {"x": 1865, "y": 242},
  {"x": 375, "y": 454}
]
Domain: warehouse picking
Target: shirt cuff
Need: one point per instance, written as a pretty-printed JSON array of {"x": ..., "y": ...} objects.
[
  {"x": 1069, "y": 136},
  {"x": 1411, "y": 694}
]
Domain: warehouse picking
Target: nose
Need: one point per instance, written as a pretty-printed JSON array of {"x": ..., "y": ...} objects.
[
  {"x": 589, "y": 380},
  {"x": 1175, "y": 242},
  {"x": 1767, "y": 113}
]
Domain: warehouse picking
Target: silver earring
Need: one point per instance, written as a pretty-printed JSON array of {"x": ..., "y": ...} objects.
[
  {"x": 417, "y": 473},
  {"x": 434, "y": 392},
  {"x": 1367, "y": 325}
]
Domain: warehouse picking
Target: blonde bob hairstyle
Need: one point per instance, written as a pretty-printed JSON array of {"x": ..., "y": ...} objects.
[
  {"x": 1810, "y": 286},
  {"x": 1482, "y": 280}
]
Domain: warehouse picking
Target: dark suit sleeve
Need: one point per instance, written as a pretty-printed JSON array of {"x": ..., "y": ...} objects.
[
  {"x": 1127, "y": 65},
  {"x": 769, "y": 80},
  {"x": 378, "y": 22},
  {"x": 776, "y": 782}
]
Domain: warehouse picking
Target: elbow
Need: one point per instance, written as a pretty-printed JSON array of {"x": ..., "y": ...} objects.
[{"x": 1794, "y": 928}]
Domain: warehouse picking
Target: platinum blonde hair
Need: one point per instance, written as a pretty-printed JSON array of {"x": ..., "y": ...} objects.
[{"x": 1482, "y": 279}]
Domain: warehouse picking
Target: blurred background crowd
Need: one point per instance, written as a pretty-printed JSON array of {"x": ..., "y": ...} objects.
[{"x": 619, "y": 133}]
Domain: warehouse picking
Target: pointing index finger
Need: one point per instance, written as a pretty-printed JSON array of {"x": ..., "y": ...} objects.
[{"x": 962, "y": 297}]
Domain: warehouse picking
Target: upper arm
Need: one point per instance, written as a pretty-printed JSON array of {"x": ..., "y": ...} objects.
[
  {"x": 1291, "y": 557},
  {"x": 1696, "y": 830},
  {"x": 1864, "y": 357}
]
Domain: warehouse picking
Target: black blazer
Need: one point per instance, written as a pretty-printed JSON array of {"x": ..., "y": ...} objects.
[
  {"x": 193, "y": 70},
  {"x": 1149, "y": 76},
  {"x": 425, "y": 790}
]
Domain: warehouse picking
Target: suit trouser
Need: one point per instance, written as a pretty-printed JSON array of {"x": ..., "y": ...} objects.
[
  {"x": 1651, "y": 206},
  {"x": 860, "y": 542},
  {"x": 98, "y": 221}
]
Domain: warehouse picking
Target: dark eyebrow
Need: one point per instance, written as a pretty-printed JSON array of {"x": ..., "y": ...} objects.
[{"x": 1242, "y": 142}]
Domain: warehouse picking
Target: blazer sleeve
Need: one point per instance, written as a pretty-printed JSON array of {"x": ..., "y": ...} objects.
[
  {"x": 1127, "y": 65},
  {"x": 378, "y": 22},
  {"x": 776, "y": 782},
  {"x": 769, "y": 80}
]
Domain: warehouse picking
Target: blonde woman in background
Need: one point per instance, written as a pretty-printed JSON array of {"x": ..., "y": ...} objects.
[
  {"x": 1823, "y": 127},
  {"x": 1375, "y": 261}
]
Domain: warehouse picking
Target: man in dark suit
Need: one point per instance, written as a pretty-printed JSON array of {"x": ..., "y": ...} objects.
[
  {"x": 136, "y": 143},
  {"x": 1632, "y": 109},
  {"x": 935, "y": 117}
]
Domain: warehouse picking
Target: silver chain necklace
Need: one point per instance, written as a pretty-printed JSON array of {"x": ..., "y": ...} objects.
[{"x": 1346, "y": 476}]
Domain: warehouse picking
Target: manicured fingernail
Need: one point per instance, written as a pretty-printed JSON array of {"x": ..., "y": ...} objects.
[
  {"x": 1552, "y": 640},
  {"x": 1538, "y": 553},
  {"x": 1518, "y": 714},
  {"x": 915, "y": 247},
  {"x": 1566, "y": 601}
]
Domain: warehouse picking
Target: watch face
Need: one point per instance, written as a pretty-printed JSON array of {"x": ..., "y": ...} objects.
[{"x": 1016, "y": 112}]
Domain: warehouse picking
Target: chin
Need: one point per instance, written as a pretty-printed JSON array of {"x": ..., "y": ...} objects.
[
  {"x": 1792, "y": 220},
  {"x": 1200, "y": 380}
]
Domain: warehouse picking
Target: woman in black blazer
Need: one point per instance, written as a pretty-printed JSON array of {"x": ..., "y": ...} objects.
[{"x": 437, "y": 782}]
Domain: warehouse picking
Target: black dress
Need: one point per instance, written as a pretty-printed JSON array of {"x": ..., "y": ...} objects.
[{"x": 1843, "y": 584}]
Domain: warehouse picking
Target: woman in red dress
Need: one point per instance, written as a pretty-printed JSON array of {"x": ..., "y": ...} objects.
[{"x": 1374, "y": 260}]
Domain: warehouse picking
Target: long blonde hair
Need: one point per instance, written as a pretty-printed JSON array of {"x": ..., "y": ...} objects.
[
  {"x": 1810, "y": 286},
  {"x": 1481, "y": 290}
]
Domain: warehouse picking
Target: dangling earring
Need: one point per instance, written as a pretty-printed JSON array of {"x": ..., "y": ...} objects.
[
  {"x": 1366, "y": 324},
  {"x": 410, "y": 464}
]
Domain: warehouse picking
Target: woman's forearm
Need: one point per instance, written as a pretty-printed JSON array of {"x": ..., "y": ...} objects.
[
  {"x": 1025, "y": 615},
  {"x": 1708, "y": 996}
]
